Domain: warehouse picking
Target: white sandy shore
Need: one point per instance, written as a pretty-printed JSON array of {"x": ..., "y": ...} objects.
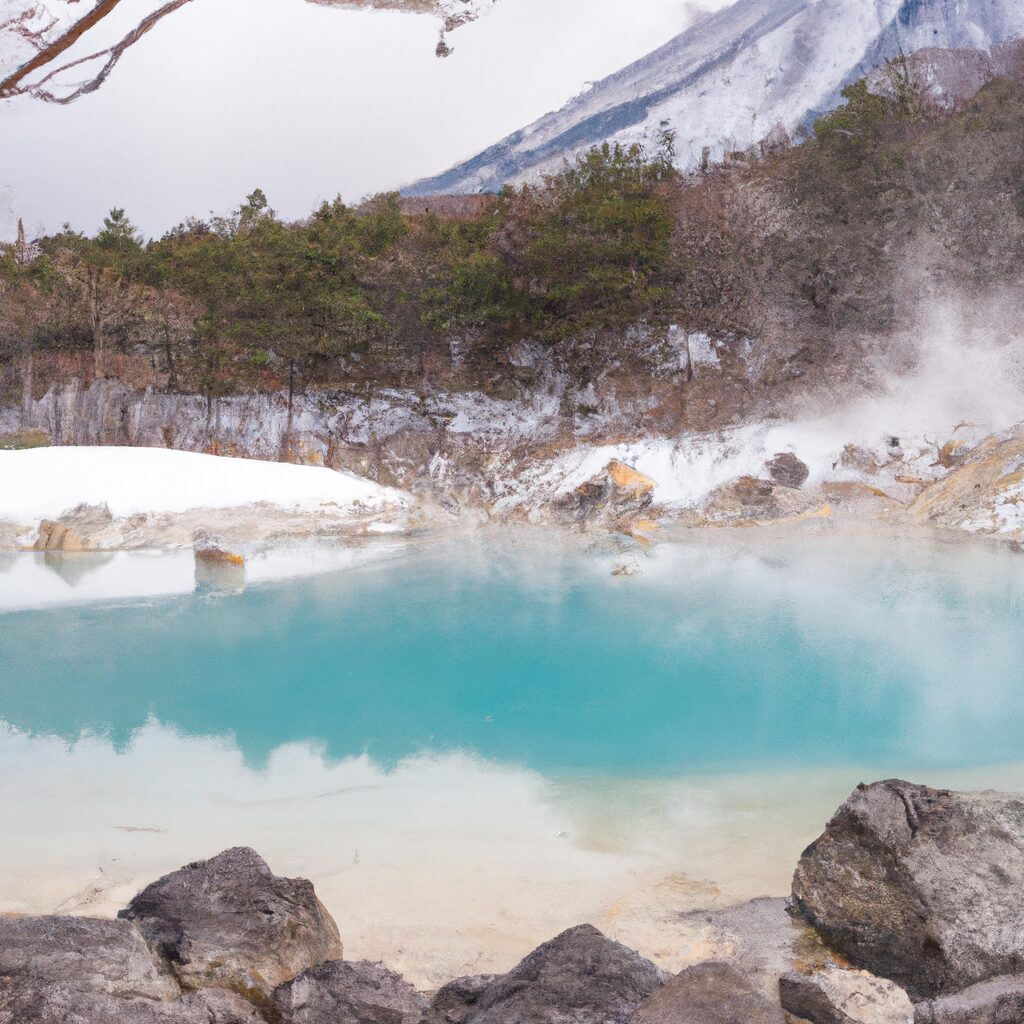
[
  {"x": 44, "y": 483},
  {"x": 446, "y": 865}
]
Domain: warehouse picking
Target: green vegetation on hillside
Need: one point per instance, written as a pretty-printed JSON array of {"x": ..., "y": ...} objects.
[{"x": 810, "y": 244}]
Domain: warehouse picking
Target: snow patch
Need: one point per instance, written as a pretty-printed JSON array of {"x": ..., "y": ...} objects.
[{"x": 44, "y": 483}]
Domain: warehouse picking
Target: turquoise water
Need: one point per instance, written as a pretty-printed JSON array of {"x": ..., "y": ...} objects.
[{"x": 726, "y": 654}]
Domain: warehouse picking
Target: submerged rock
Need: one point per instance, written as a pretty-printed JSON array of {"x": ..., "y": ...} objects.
[
  {"x": 713, "y": 992},
  {"x": 760, "y": 938},
  {"x": 229, "y": 922},
  {"x": 80, "y": 953},
  {"x": 844, "y": 997},
  {"x": 349, "y": 993},
  {"x": 997, "y": 1001},
  {"x": 920, "y": 885},
  {"x": 579, "y": 977}
]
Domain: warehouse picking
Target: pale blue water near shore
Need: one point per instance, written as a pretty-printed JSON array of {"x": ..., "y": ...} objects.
[
  {"x": 471, "y": 743},
  {"x": 718, "y": 656}
]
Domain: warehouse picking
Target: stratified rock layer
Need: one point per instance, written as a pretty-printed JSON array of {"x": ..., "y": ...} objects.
[
  {"x": 919, "y": 885},
  {"x": 229, "y": 922}
]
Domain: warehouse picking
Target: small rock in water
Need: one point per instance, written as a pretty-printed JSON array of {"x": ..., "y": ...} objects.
[
  {"x": 844, "y": 997},
  {"x": 627, "y": 569}
]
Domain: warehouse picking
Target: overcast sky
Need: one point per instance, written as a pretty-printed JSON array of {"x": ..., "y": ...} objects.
[{"x": 306, "y": 102}]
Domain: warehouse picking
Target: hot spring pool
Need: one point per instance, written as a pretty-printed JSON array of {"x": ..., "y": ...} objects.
[{"x": 473, "y": 742}]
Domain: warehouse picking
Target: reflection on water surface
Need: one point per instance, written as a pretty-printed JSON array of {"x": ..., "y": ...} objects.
[{"x": 499, "y": 730}]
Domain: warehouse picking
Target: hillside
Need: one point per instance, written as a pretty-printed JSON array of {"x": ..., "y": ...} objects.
[{"x": 756, "y": 68}]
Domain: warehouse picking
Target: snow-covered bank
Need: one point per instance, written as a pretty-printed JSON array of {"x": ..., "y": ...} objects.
[{"x": 46, "y": 482}]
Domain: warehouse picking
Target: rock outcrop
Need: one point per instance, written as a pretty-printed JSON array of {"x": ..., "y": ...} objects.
[
  {"x": 985, "y": 491},
  {"x": 228, "y": 922},
  {"x": 710, "y": 993},
  {"x": 579, "y": 977},
  {"x": 919, "y": 885},
  {"x": 349, "y": 993},
  {"x": 844, "y": 997},
  {"x": 617, "y": 492}
]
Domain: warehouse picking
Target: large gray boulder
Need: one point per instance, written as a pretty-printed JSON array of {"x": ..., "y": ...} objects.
[
  {"x": 579, "y": 977},
  {"x": 996, "y": 1001},
  {"x": 844, "y": 997},
  {"x": 714, "y": 992},
  {"x": 228, "y": 922},
  {"x": 922, "y": 886},
  {"x": 33, "y": 1002},
  {"x": 349, "y": 993},
  {"x": 105, "y": 957}
]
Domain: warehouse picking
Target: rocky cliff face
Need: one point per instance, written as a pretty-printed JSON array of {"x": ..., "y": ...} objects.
[{"x": 758, "y": 67}]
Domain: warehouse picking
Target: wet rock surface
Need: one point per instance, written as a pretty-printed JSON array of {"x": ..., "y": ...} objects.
[
  {"x": 349, "y": 993},
  {"x": 844, "y": 997},
  {"x": 579, "y": 977},
  {"x": 229, "y": 922},
  {"x": 919, "y": 885}
]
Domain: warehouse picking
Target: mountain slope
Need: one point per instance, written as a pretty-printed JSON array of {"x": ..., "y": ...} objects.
[{"x": 732, "y": 78}]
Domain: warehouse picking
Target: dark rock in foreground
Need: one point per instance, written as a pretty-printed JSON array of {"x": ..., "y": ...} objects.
[
  {"x": 579, "y": 977},
  {"x": 454, "y": 1002},
  {"x": 32, "y": 1002},
  {"x": 922, "y": 886},
  {"x": 844, "y": 997},
  {"x": 105, "y": 957},
  {"x": 714, "y": 992},
  {"x": 789, "y": 471},
  {"x": 349, "y": 993},
  {"x": 229, "y": 922},
  {"x": 997, "y": 1001}
]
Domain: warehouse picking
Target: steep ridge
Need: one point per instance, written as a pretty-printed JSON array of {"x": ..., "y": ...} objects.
[{"x": 733, "y": 78}]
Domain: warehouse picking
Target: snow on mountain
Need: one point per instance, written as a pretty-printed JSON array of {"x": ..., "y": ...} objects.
[{"x": 733, "y": 77}]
